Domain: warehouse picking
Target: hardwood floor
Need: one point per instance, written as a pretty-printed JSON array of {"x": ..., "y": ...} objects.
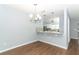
[{"x": 40, "y": 48}]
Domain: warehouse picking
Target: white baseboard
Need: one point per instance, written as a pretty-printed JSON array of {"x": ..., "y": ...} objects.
[
  {"x": 75, "y": 38},
  {"x": 17, "y": 46},
  {"x": 54, "y": 44},
  {"x": 29, "y": 43}
]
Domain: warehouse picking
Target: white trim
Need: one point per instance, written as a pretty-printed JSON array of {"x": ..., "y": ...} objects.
[
  {"x": 17, "y": 46},
  {"x": 65, "y": 26},
  {"x": 54, "y": 44},
  {"x": 32, "y": 42},
  {"x": 76, "y": 38}
]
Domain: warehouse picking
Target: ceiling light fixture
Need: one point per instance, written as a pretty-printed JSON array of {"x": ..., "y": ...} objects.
[{"x": 35, "y": 17}]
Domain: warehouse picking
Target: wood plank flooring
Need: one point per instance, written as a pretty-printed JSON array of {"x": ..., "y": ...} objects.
[{"x": 41, "y": 48}]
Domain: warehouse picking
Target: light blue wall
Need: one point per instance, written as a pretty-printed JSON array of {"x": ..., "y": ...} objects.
[
  {"x": 74, "y": 26},
  {"x": 53, "y": 38},
  {"x": 15, "y": 28},
  {"x": 59, "y": 40}
]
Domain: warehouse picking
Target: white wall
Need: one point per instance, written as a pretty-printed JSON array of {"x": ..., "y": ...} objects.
[
  {"x": 15, "y": 28},
  {"x": 66, "y": 27},
  {"x": 69, "y": 29}
]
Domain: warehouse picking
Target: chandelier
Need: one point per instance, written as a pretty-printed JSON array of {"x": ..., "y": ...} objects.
[{"x": 35, "y": 17}]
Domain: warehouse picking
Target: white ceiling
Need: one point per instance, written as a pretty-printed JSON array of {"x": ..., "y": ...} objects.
[
  {"x": 72, "y": 8},
  {"x": 39, "y": 1}
]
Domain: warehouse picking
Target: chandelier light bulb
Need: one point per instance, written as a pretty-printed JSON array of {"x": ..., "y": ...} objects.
[
  {"x": 38, "y": 16},
  {"x": 31, "y": 15}
]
